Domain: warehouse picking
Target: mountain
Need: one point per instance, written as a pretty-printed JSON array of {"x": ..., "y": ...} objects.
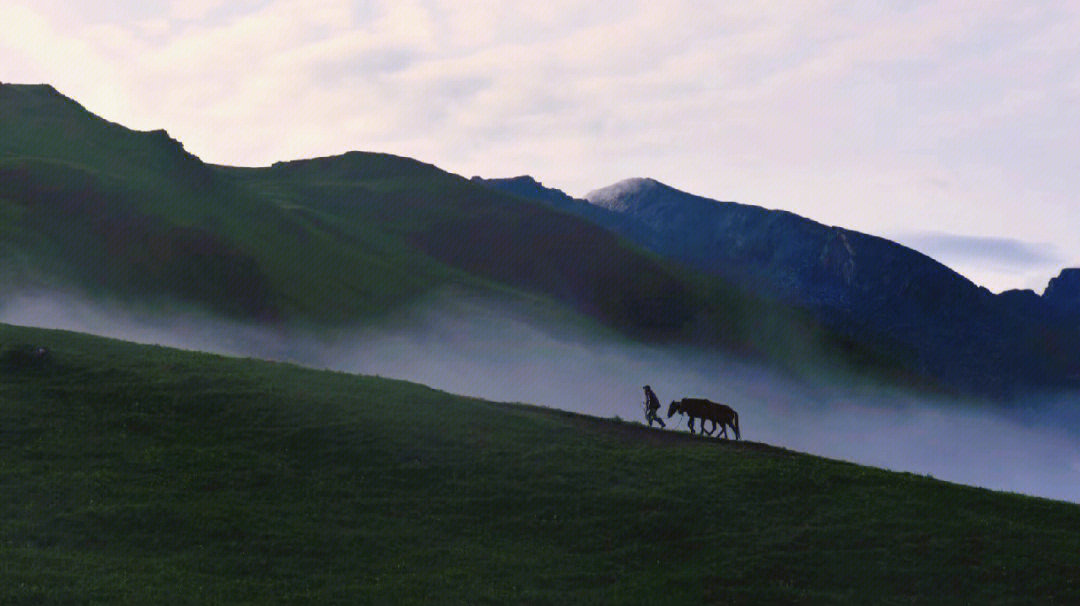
[
  {"x": 872, "y": 290},
  {"x": 1063, "y": 292},
  {"x": 327, "y": 240},
  {"x": 144, "y": 475},
  {"x": 90, "y": 205}
]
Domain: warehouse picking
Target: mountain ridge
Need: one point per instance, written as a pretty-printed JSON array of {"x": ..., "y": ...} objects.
[
  {"x": 866, "y": 286},
  {"x": 347, "y": 238},
  {"x": 337, "y": 240}
]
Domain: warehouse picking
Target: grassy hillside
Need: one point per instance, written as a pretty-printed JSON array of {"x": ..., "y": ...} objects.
[
  {"x": 134, "y": 474},
  {"x": 330, "y": 240},
  {"x": 89, "y": 204}
]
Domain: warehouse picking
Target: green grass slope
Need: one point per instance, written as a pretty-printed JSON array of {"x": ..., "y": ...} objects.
[
  {"x": 135, "y": 474},
  {"x": 329, "y": 240},
  {"x": 91, "y": 205}
]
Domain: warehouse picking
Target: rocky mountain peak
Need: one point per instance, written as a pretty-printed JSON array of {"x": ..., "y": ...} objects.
[
  {"x": 1063, "y": 291},
  {"x": 620, "y": 196},
  {"x": 521, "y": 182},
  {"x": 528, "y": 187}
]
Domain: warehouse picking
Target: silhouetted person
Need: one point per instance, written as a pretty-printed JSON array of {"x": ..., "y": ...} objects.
[{"x": 652, "y": 404}]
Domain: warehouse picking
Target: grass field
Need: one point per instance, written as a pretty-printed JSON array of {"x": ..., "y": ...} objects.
[{"x": 137, "y": 474}]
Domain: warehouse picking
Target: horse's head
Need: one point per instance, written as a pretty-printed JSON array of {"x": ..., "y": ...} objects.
[{"x": 673, "y": 408}]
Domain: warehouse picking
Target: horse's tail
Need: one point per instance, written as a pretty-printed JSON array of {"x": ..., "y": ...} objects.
[{"x": 735, "y": 416}]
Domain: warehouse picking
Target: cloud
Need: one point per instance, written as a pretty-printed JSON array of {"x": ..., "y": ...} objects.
[
  {"x": 980, "y": 249},
  {"x": 995, "y": 262},
  {"x": 198, "y": 10}
]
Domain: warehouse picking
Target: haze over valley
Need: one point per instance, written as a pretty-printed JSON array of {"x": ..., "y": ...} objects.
[{"x": 509, "y": 352}]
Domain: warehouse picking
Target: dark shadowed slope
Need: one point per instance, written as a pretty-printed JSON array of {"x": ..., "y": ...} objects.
[{"x": 137, "y": 474}]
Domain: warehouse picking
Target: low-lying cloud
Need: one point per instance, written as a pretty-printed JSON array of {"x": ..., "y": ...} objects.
[
  {"x": 991, "y": 261},
  {"x": 968, "y": 249},
  {"x": 496, "y": 352}
]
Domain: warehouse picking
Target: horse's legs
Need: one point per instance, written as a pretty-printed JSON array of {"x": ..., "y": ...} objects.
[
  {"x": 723, "y": 431},
  {"x": 710, "y": 432},
  {"x": 690, "y": 423}
]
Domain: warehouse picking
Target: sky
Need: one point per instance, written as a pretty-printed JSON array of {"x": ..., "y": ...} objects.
[{"x": 950, "y": 127}]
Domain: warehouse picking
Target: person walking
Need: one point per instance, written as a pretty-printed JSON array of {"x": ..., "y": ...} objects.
[{"x": 652, "y": 404}]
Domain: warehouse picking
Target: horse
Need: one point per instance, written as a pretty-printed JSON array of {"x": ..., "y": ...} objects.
[{"x": 721, "y": 415}]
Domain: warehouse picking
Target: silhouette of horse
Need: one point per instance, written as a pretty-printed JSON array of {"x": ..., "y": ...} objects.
[{"x": 721, "y": 415}]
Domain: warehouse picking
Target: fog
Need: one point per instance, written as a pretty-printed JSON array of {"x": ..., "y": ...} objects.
[{"x": 498, "y": 352}]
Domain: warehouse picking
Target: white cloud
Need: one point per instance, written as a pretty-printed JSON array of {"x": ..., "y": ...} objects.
[{"x": 193, "y": 9}]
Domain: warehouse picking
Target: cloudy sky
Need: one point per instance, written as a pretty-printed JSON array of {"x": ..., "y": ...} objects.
[{"x": 953, "y": 127}]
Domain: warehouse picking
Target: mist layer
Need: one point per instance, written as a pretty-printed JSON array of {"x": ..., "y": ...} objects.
[{"x": 494, "y": 351}]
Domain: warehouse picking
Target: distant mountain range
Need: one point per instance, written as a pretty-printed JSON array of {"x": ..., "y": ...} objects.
[
  {"x": 871, "y": 289},
  {"x": 90, "y": 205}
]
